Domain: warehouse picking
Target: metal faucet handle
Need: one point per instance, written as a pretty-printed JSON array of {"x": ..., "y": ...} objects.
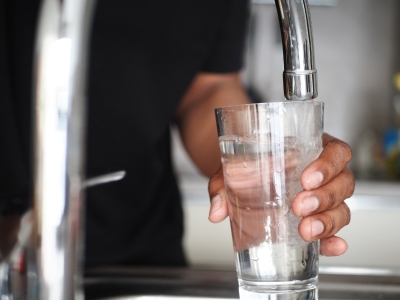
[{"x": 103, "y": 179}]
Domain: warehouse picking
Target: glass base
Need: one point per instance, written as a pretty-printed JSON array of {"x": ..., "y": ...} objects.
[{"x": 291, "y": 290}]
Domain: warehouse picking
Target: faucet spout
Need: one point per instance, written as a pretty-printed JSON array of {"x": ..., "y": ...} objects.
[{"x": 300, "y": 74}]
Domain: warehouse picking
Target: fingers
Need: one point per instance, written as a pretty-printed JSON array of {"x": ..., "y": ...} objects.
[
  {"x": 325, "y": 224},
  {"x": 333, "y": 159},
  {"x": 333, "y": 246},
  {"x": 327, "y": 183},
  {"x": 325, "y": 197},
  {"x": 219, "y": 205},
  {"x": 323, "y": 209}
]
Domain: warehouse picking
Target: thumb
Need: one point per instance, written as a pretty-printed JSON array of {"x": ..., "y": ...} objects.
[{"x": 218, "y": 197}]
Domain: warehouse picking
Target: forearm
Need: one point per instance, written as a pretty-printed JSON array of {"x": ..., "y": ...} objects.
[{"x": 196, "y": 119}]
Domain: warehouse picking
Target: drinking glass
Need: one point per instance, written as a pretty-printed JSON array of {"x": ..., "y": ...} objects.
[{"x": 264, "y": 149}]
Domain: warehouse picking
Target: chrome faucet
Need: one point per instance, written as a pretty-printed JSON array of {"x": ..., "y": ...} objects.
[
  {"x": 300, "y": 74},
  {"x": 50, "y": 235}
]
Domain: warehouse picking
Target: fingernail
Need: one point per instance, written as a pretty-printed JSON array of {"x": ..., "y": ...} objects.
[
  {"x": 216, "y": 203},
  {"x": 317, "y": 227},
  {"x": 309, "y": 205},
  {"x": 315, "y": 179}
]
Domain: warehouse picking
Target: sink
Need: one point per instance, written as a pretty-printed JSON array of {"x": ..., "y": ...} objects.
[
  {"x": 124, "y": 283},
  {"x": 118, "y": 282},
  {"x": 166, "y": 298}
]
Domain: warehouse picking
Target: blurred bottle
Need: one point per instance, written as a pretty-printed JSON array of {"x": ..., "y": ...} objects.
[
  {"x": 368, "y": 157},
  {"x": 391, "y": 145},
  {"x": 396, "y": 100}
]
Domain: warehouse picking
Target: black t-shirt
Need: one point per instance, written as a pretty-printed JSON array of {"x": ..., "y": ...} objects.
[
  {"x": 17, "y": 31},
  {"x": 143, "y": 56}
]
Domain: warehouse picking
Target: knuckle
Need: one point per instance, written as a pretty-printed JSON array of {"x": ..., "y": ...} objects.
[
  {"x": 342, "y": 152},
  {"x": 346, "y": 151},
  {"x": 346, "y": 214},
  {"x": 337, "y": 219},
  {"x": 216, "y": 182},
  {"x": 351, "y": 184},
  {"x": 330, "y": 198},
  {"x": 342, "y": 147},
  {"x": 331, "y": 166},
  {"x": 330, "y": 226},
  {"x": 334, "y": 166}
]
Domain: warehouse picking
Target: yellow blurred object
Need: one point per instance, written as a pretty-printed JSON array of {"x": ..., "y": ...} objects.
[{"x": 396, "y": 81}]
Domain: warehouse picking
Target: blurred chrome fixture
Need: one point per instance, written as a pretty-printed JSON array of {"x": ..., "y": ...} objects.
[
  {"x": 45, "y": 262},
  {"x": 300, "y": 74},
  {"x": 60, "y": 99}
]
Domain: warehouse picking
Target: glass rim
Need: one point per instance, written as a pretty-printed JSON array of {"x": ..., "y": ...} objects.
[{"x": 272, "y": 103}]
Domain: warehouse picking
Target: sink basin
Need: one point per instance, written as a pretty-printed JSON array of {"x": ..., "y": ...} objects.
[
  {"x": 166, "y": 298},
  {"x": 117, "y": 283}
]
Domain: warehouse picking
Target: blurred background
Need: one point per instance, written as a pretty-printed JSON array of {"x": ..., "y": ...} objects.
[{"x": 357, "y": 49}]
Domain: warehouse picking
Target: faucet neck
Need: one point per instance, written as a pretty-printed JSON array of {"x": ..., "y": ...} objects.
[{"x": 300, "y": 74}]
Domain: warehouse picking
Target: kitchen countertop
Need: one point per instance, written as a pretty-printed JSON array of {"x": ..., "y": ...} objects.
[{"x": 335, "y": 283}]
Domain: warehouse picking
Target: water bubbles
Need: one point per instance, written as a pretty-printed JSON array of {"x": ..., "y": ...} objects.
[
  {"x": 254, "y": 258},
  {"x": 303, "y": 260},
  {"x": 286, "y": 211},
  {"x": 286, "y": 194},
  {"x": 248, "y": 208},
  {"x": 268, "y": 117},
  {"x": 282, "y": 110},
  {"x": 270, "y": 204},
  {"x": 288, "y": 269},
  {"x": 278, "y": 162},
  {"x": 276, "y": 254},
  {"x": 304, "y": 263},
  {"x": 277, "y": 224},
  {"x": 293, "y": 143}
]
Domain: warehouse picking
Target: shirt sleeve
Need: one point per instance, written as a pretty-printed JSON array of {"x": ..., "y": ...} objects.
[{"x": 228, "y": 52}]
